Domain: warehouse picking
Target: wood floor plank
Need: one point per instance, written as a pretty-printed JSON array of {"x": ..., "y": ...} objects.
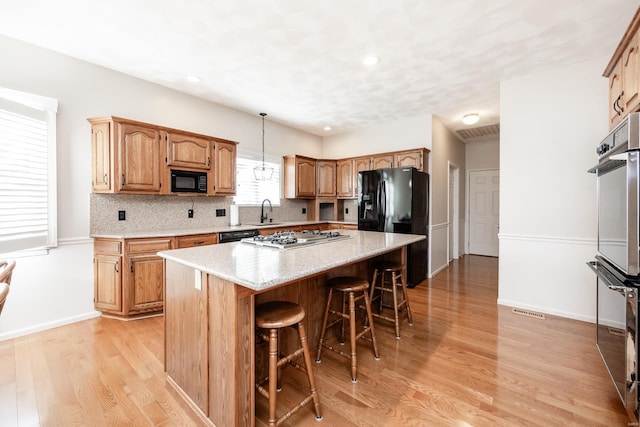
[{"x": 465, "y": 362}]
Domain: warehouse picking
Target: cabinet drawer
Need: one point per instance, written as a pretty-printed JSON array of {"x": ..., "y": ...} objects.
[
  {"x": 196, "y": 240},
  {"x": 148, "y": 245},
  {"x": 113, "y": 247}
]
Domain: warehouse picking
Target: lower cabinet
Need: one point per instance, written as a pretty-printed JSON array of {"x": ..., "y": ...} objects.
[{"x": 129, "y": 276}]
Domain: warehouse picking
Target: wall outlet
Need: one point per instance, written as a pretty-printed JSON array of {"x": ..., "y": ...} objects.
[
  {"x": 221, "y": 212},
  {"x": 190, "y": 213},
  {"x": 122, "y": 215},
  {"x": 346, "y": 211},
  {"x": 304, "y": 210}
]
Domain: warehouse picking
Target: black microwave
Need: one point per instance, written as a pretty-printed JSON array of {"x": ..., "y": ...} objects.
[{"x": 188, "y": 181}]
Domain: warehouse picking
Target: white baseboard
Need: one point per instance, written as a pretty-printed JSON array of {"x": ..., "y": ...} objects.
[
  {"x": 546, "y": 310},
  {"x": 438, "y": 270},
  {"x": 49, "y": 325}
]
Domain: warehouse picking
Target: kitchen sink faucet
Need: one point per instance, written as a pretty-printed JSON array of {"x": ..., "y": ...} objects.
[{"x": 263, "y": 216}]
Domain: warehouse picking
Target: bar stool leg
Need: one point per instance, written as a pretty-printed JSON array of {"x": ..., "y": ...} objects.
[
  {"x": 273, "y": 375},
  {"x": 367, "y": 303},
  {"x": 395, "y": 304},
  {"x": 406, "y": 297},
  {"x": 324, "y": 325},
  {"x": 307, "y": 363},
  {"x": 352, "y": 332}
]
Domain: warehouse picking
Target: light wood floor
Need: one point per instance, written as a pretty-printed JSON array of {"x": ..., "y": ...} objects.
[{"x": 464, "y": 362}]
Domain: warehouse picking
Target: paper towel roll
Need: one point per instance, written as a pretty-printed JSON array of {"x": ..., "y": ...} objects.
[{"x": 234, "y": 215}]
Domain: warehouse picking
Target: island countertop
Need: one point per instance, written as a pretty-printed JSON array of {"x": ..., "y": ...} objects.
[{"x": 260, "y": 268}]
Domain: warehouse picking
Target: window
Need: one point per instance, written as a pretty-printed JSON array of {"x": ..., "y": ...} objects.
[
  {"x": 249, "y": 191},
  {"x": 27, "y": 171}
]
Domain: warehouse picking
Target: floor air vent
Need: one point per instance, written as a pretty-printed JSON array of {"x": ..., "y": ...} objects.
[{"x": 528, "y": 313}]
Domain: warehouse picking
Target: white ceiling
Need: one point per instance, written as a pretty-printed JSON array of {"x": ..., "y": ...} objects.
[{"x": 301, "y": 61}]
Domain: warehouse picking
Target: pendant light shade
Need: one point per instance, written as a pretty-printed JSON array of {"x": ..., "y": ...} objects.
[{"x": 263, "y": 173}]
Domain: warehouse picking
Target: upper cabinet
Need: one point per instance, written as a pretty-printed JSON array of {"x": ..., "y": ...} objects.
[
  {"x": 623, "y": 72},
  {"x": 326, "y": 178},
  {"x": 382, "y": 161},
  {"x": 224, "y": 182},
  {"x": 299, "y": 177},
  {"x": 137, "y": 158},
  {"x": 344, "y": 178},
  {"x": 415, "y": 158},
  {"x": 188, "y": 151}
]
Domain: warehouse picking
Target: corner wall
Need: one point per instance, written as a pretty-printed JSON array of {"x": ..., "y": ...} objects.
[{"x": 550, "y": 125}]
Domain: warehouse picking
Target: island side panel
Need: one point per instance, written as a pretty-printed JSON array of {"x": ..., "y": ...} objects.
[
  {"x": 186, "y": 339},
  {"x": 231, "y": 354}
]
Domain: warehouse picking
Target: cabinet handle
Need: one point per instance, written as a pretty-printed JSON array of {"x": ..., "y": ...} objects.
[
  {"x": 208, "y": 161},
  {"x": 117, "y": 266},
  {"x": 620, "y": 108},
  {"x": 104, "y": 179},
  {"x": 131, "y": 266},
  {"x": 123, "y": 182},
  {"x": 199, "y": 242}
]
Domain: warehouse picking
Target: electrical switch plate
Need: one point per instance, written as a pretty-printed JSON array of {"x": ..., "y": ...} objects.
[
  {"x": 198, "y": 278},
  {"x": 221, "y": 212},
  {"x": 190, "y": 213},
  {"x": 122, "y": 215}
]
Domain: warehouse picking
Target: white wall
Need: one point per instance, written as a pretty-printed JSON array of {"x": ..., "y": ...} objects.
[
  {"x": 550, "y": 125},
  {"x": 391, "y": 136},
  {"x": 447, "y": 149},
  {"x": 58, "y": 288}
]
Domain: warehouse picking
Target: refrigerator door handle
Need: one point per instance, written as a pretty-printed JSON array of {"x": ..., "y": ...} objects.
[{"x": 383, "y": 200}]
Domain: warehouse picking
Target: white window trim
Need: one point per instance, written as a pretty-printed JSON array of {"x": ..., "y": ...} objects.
[
  {"x": 50, "y": 107},
  {"x": 255, "y": 155}
]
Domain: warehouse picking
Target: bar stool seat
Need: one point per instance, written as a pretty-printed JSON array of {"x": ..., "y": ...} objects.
[
  {"x": 348, "y": 286},
  {"x": 396, "y": 271},
  {"x": 273, "y": 316}
]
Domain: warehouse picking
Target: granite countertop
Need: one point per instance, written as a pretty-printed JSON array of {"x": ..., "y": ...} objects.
[
  {"x": 208, "y": 230},
  {"x": 260, "y": 268}
]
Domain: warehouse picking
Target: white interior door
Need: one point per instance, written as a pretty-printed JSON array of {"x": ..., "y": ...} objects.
[{"x": 484, "y": 212}]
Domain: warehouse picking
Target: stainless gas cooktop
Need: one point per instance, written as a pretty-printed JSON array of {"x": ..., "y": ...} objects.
[{"x": 294, "y": 239}]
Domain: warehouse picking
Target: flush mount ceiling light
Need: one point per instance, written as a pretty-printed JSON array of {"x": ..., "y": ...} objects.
[
  {"x": 327, "y": 128},
  {"x": 470, "y": 119},
  {"x": 193, "y": 79},
  {"x": 262, "y": 173},
  {"x": 371, "y": 60}
]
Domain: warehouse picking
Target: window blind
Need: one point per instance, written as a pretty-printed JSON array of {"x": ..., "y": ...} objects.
[
  {"x": 27, "y": 138},
  {"x": 249, "y": 191}
]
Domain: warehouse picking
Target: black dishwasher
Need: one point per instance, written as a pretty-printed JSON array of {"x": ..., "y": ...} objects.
[{"x": 236, "y": 235}]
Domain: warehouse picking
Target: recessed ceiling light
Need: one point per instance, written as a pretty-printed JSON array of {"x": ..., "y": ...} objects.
[
  {"x": 327, "y": 128},
  {"x": 470, "y": 119},
  {"x": 371, "y": 60},
  {"x": 193, "y": 79}
]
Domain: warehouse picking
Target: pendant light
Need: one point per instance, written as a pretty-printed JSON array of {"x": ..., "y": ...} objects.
[{"x": 263, "y": 173}]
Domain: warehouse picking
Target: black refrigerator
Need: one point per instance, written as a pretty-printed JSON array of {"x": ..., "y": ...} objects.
[{"x": 396, "y": 200}]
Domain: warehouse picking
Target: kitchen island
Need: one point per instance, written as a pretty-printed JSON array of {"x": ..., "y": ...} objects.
[{"x": 210, "y": 295}]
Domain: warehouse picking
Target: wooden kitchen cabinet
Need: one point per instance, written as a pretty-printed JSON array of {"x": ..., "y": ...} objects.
[
  {"x": 299, "y": 177},
  {"x": 196, "y": 240},
  {"x": 415, "y": 158},
  {"x": 126, "y": 156},
  {"x": 360, "y": 164},
  {"x": 382, "y": 161},
  {"x": 129, "y": 276},
  {"x": 344, "y": 179},
  {"x": 224, "y": 182},
  {"x": 188, "y": 151},
  {"x": 623, "y": 72},
  {"x": 326, "y": 178}
]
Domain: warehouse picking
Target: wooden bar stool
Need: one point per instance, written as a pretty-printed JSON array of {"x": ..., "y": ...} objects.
[
  {"x": 348, "y": 286},
  {"x": 395, "y": 271},
  {"x": 273, "y": 316}
]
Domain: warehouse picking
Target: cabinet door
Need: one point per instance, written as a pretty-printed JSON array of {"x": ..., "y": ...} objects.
[
  {"x": 140, "y": 158},
  {"x": 615, "y": 90},
  {"x": 359, "y": 165},
  {"x": 305, "y": 177},
  {"x": 326, "y": 171},
  {"x": 225, "y": 168},
  {"x": 409, "y": 158},
  {"x": 382, "y": 162},
  {"x": 344, "y": 178},
  {"x": 187, "y": 151},
  {"x": 100, "y": 158},
  {"x": 630, "y": 76},
  {"x": 145, "y": 283},
  {"x": 107, "y": 283}
]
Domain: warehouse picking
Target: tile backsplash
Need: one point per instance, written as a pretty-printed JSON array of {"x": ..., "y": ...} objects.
[{"x": 157, "y": 213}]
